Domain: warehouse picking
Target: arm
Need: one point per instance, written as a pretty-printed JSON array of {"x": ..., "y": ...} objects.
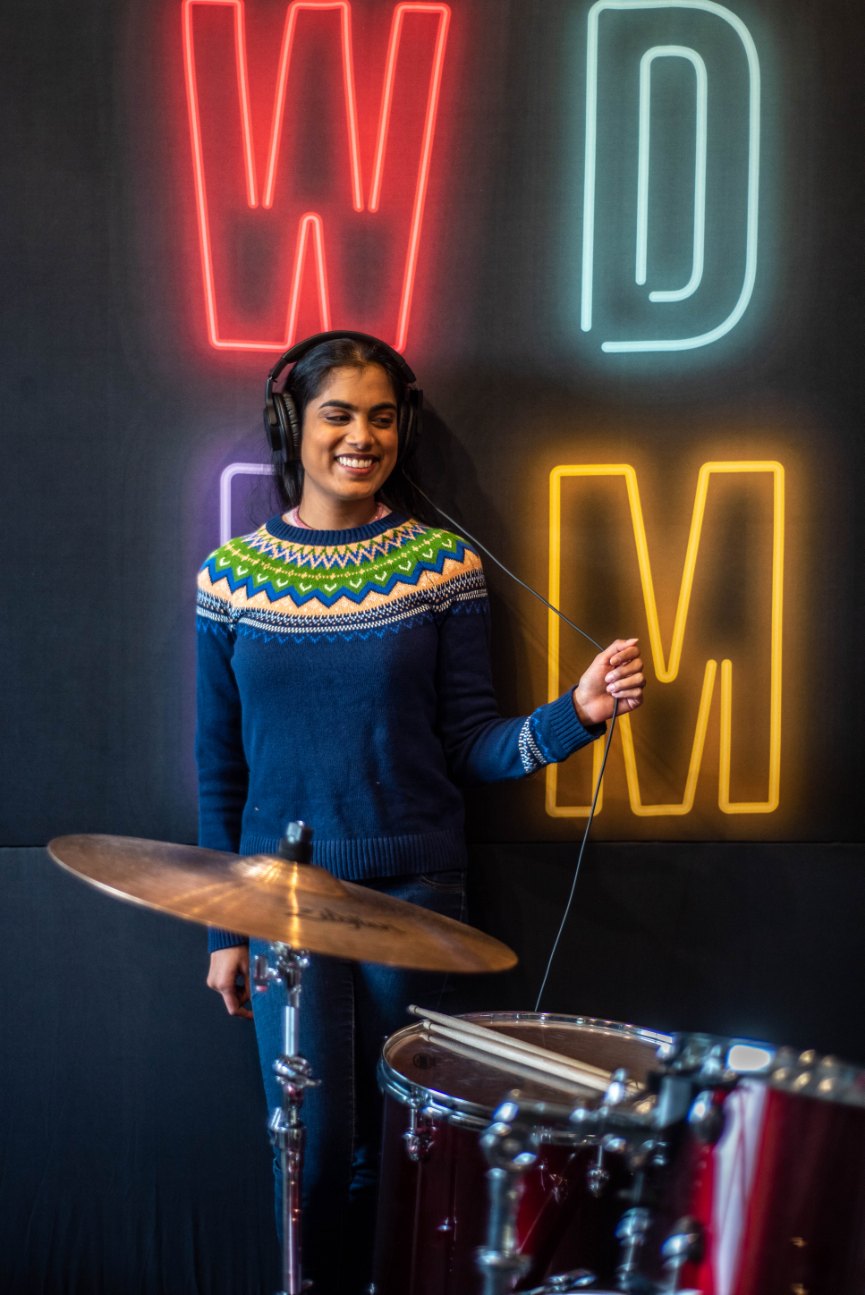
[
  {"x": 223, "y": 779},
  {"x": 481, "y": 746},
  {"x": 223, "y": 776}
]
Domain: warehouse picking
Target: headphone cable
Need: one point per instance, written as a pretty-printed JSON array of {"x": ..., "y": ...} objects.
[
  {"x": 580, "y": 853},
  {"x": 534, "y": 592},
  {"x": 597, "y": 791}
]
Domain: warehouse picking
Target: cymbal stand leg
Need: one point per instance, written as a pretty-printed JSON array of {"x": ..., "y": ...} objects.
[
  {"x": 287, "y": 1132},
  {"x": 510, "y": 1152}
]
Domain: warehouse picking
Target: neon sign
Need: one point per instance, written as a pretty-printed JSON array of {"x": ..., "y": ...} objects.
[
  {"x": 227, "y": 157},
  {"x": 226, "y": 492},
  {"x": 702, "y": 85},
  {"x": 610, "y": 201},
  {"x": 667, "y": 666}
]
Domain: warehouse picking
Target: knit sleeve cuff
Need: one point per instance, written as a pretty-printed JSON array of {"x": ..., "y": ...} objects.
[
  {"x": 217, "y": 939},
  {"x": 567, "y": 730}
]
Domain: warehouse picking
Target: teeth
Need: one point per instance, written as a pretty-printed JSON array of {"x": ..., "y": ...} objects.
[{"x": 354, "y": 463}]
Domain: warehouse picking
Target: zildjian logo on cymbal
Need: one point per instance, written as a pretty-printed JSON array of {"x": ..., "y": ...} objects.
[{"x": 348, "y": 919}]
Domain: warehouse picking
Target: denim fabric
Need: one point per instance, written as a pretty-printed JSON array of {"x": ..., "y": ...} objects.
[{"x": 348, "y": 1009}]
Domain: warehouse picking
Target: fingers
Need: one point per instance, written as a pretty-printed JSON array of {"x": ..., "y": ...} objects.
[
  {"x": 236, "y": 998},
  {"x": 235, "y": 1007},
  {"x": 626, "y": 676},
  {"x": 628, "y": 704},
  {"x": 622, "y": 651},
  {"x": 625, "y": 679},
  {"x": 228, "y": 976}
]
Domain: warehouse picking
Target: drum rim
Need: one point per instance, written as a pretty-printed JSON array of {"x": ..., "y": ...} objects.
[{"x": 462, "y": 1110}]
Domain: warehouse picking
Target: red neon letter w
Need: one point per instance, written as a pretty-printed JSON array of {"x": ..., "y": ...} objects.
[{"x": 283, "y": 213}]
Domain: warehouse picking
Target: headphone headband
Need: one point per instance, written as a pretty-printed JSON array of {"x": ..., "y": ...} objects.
[{"x": 300, "y": 349}]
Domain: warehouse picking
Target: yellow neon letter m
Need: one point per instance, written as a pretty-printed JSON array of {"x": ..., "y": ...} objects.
[{"x": 741, "y": 560}]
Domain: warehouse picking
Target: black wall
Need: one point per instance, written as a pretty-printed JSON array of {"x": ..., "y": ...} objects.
[{"x": 133, "y": 1145}]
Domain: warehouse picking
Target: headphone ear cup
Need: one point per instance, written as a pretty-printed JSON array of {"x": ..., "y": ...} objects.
[
  {"x": 283, "y": 427},
  {"x": 272, "y": 430},
  {"x": 409, "y": 424},
  {"x": 291, "y": 424}
]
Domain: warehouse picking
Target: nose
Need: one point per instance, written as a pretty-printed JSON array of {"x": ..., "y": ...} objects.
[{"x": 360, "y": 434}]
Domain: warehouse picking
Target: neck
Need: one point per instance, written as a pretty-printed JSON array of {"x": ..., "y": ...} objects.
[{"x": 336, "y": 515}]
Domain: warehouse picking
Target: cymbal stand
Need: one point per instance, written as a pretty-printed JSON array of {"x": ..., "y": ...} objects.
[{"x": 287, "y": 1132}]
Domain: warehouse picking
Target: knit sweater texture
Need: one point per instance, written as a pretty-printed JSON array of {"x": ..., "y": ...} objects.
[{"x": 344, "y": 679}]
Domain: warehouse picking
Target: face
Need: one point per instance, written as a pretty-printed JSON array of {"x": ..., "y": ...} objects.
[{"x": 348, "y": 447}]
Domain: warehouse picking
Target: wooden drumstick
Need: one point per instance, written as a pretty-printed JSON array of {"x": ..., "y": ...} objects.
[
  {"x": 517, "y": 1070},
  {"x": 514, "y": 1050}
]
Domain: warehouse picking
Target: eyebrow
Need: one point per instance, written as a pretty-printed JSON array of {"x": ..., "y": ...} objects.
[{"x": 353, "y": 409}]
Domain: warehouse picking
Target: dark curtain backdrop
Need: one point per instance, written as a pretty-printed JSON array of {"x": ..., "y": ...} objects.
[{"x": 133, "y": 1155}]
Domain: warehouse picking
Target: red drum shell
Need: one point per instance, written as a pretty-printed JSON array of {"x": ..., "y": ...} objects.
[
  {"x": 433, "y": 1212},
  {"x": 781, "y": 1197}
]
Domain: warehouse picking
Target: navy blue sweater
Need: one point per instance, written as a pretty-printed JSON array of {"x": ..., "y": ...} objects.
[{"x": 344, "y": 679}]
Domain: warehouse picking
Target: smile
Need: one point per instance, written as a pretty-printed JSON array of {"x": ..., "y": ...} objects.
[{"x": 355, "y": 464}]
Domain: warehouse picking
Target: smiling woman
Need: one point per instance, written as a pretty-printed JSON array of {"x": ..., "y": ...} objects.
[
  {"x": 344, "y": 679},
  {"x": 348, "y": 447}
]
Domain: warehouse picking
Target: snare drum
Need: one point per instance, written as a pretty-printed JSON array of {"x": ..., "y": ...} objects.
[{"x": 433, "y": 1194}]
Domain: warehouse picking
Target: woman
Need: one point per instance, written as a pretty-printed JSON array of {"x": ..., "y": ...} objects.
[{"x": 344, "y": 679}]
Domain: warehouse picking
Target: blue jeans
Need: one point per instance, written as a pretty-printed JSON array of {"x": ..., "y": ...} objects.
[{"x": 348, "y": 1009}]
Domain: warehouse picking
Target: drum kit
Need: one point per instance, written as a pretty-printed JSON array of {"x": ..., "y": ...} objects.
[{"x": 534, "y": 1152}]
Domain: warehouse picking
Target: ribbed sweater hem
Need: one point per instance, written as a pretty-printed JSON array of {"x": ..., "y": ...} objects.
[{"x": 377, "y": 856}]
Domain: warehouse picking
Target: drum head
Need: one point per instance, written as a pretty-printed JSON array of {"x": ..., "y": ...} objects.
[{"x": 418, "y": 1069}]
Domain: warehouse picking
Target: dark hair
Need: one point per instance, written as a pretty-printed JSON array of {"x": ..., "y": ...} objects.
[{"x": 306, "y": 379}]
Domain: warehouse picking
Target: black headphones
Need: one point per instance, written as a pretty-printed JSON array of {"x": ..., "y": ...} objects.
[{"x": 282, "y": 419}]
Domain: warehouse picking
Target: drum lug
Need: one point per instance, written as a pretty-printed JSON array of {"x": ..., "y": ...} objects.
[
  {"x": 566, "y": 1283},
  {"x": 686, "y": 1244},
  {"x": 706, "y": 1118},
  {"x": 632, "y": 1230},
  {"x": 598, "y": 1176},
  {"x": 611, "y": 1123},
  {"x": 419, "y": 1138},
  {"x": 650, "y": 1154}
]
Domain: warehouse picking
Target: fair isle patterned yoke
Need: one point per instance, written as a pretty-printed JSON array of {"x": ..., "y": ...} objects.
[{"x": 261, "y": 584}]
